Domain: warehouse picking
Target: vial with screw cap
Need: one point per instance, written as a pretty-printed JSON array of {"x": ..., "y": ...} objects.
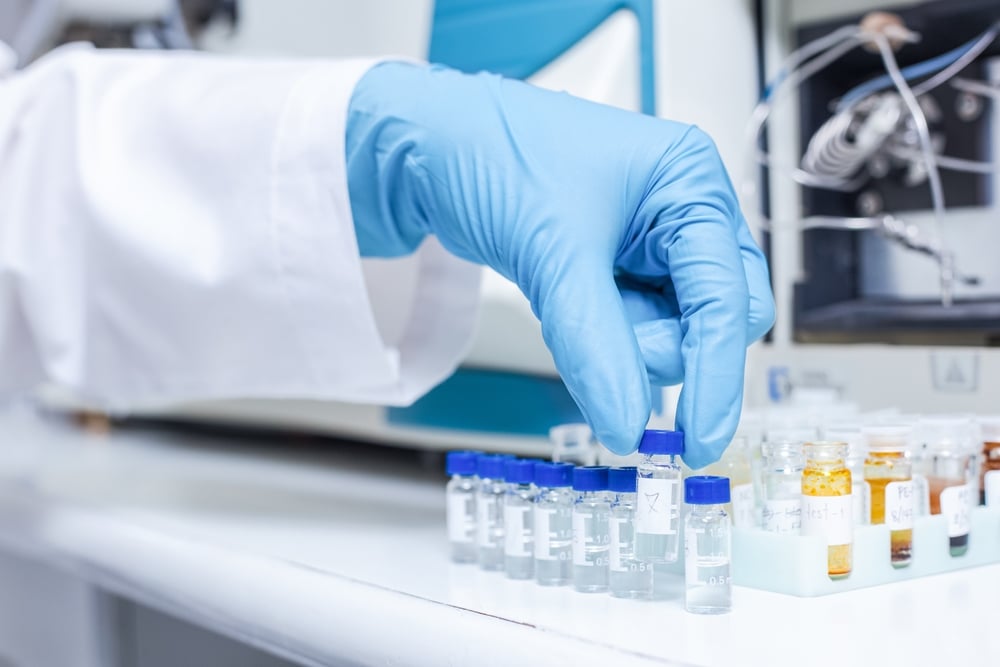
[
  {"x": 553, "y": 523},
  {"x": 489, "y": 510},
  {"x": 519, "y": 537},
  {"x": 628, "y": 577},
  {"x": 461, "y": 505},
  {"x": 591, "y": 538},
  {"x": 658, "y": 496},
  {"x": 707, "y": 546}
]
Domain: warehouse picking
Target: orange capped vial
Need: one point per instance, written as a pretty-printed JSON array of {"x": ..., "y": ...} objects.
[
  {"x": 827, "y": 503},
  {"x": 890, "y": 480}
]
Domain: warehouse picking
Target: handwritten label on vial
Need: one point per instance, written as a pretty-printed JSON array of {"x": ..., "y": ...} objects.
[
  {"x": 543, "y": 535},
  {"x": 956, "y": 506},
  {"x": 486, "y": 520},
  {"x": 743, "y": 505},
  {"x": 515, "y": 541},
  {"x": 991, "y": 487},
  {"x": 829, "y": 517},
  {"x": 899, "y": 505},
  {"x": 461, "y": 527},
  {"x": 783, "y": 516},
  {"x": 655, "y": 513},
  {"x": 580, "y": 523}
]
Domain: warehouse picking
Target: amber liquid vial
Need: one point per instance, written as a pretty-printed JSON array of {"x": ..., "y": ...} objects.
[
  {"x": 826, "y": 503},
  {"x": 890, "y": 480}
]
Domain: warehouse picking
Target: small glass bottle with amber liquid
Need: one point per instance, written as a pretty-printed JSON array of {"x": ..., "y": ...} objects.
[
  {"x": 890, "y": 480},
  {"x": 989, "y": 478},
  {"x": 827, "y": 504}
]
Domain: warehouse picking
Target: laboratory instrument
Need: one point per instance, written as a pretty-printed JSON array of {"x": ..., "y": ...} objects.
[
  {"x": 658, "y": 496},
  {"x": 628, "y": 577},
  {"x": 950, "y": 471},
  {"x": 827, "y": 510},
  {"x": 553, "y": 523},
  {"x": 518, "y": 508},
  {"x": 782, "y": 487},
  {"x": 888, "y": 473},
  {"x": 461, "y": 505},
  {"x": 591, "y": 529},
  {"x": 708, "y": 586},
  {"x": 489, "y": 510}
]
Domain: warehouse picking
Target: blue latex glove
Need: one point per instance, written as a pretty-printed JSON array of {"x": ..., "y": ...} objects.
[{"x": 621, "y": 229}]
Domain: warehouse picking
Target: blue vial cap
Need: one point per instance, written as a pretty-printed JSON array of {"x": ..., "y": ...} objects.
[
  {"x": 461, "y": 463},
  {"x": 590, "y": 478},
  {"x": 661, "y": 442},
  {"x": 706, "y": 490},
  {"x": 622, "y": 480},
  {"x": 553, "y": 474},
  {"x": 520, "y": 471},
  {"x": 491, "y": 466}
]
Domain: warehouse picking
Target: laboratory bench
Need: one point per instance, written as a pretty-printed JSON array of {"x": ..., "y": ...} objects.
[{"x": 146, "y": 545}]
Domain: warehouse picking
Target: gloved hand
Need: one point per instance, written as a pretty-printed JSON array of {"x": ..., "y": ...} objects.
[{"x": 621, "y": 229}]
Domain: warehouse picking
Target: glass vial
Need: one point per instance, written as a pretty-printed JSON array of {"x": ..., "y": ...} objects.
[
  {"x": 489, "y": 510},
  {"x": 708, "y": 587},
  {"x": 573, "y": 443},
  {"x": 460, "y": 494},
  {"x": 950, "y": 473},
  {"x": 658, "y": 497},
  {"x": 890, "y": 482},
  {"x": 735, "y": 464},
  {"x": 782, "y": 488},
  {"x": 851, "y": 434},
  {"x": 989, "y": 481},
  {"x": 553, "y": 523},
  {"x": 591, "y": 529},
  {"x": 628, "y": 577},
  {"x": 827, "y": 510},
  {"x": 518, "y": 507}
]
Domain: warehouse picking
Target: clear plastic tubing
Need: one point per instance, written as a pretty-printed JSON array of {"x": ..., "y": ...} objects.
[
  {"x": 628, "y": 577},
  {"x": 573, "y": 443},
  {"x": 489, "y": 510},
  {"x": 708, "y": 584},
  {"x": 553, "y": 523},
  {"x": 591, "y": 529},
  {"x": 461, "y": 505},
  {"x": 658, "y": 497},
  {"x": 518, "y": 507},
  {"x": 782, "y": 486}
]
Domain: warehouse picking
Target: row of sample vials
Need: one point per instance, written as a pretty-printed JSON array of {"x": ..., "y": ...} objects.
[
  {"x": 876, "y": 474},
  {"x": 597, "y": 528}
]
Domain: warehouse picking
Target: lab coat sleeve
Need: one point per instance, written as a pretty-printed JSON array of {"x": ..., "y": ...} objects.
[{"x": 176, "y": 226}]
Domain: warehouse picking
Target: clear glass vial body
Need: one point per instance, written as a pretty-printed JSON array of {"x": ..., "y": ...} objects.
[
  {"x": 708, "y": 587},
  {"x": 591, "y": 541},
  {"x": 628, "y": 577},
  {"x": 827, "y": 507},
  {"x": 489, "y": 522},
  {"x": 888, "y": 473},
  {"x": 553, "y": 523},
  {"x": 461, "y": 517},
  {"x": 951, "y": 495},
  {"x": 736, "y": 465},
  {"x": 658, "y": 504},
  {"x": 782, "y": 488},
  {"x": 519, "y": 535}
]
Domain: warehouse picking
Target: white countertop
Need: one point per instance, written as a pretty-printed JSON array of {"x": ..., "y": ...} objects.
[{"x": 324, "y": 552}]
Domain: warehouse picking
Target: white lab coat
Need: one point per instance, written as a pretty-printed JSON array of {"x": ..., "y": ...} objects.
[{"x": 176, "y": 226}]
